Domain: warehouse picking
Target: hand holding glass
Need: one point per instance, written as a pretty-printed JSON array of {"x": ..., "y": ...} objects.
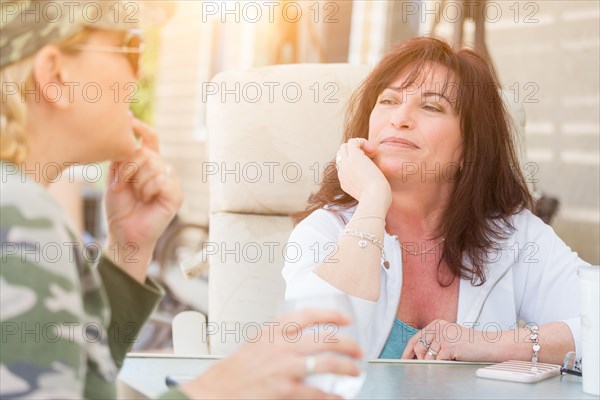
[{"x": 341, "y": 385}]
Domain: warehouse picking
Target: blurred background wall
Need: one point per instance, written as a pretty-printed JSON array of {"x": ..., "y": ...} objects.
[{"x": 552, "y": 65}]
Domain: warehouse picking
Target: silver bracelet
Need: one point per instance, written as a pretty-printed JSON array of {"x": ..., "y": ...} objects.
[
  {"x": 364, "y": 239},
  {"x": 533, "y": 335}
]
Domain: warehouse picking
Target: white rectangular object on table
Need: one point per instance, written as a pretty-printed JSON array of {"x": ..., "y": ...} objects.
[
  {"x": 519, "y": 371},
  {"x": 589, "y": 278}
]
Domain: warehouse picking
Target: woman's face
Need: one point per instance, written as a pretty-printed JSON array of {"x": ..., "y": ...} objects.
[
  {"x": 106, "y": 83},
  {"x": 415, "y": 131}
]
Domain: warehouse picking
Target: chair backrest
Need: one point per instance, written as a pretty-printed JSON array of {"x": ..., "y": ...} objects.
[{"x": 271, "y": 131}]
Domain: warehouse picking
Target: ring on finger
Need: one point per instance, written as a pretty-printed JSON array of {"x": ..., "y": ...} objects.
[
  {"x": 432, "y": 352},
  {"x": 310, "y": 362},
  {"x": 424, "y": 342}
]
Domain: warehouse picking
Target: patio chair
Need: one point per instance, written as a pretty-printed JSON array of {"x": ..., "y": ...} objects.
[{"x": 267, "y": 149}]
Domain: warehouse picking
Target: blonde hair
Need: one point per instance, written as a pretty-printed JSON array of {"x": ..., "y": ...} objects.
[{"x": 13, "y": 113}]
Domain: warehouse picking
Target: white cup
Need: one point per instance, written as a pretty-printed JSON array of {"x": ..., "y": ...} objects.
[
  {"x": 345, "y": 386},
  {"x": 590, "y": 329}
]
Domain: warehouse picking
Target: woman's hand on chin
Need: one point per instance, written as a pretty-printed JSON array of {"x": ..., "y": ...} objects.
[
  {"x": 359, "y": 176},
  {"x": 142, "y": 199}
]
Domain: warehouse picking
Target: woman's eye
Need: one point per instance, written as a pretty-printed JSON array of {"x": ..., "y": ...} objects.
[
  {"x": 385, "y": 101},
  {"x": 431, "y": 108}
]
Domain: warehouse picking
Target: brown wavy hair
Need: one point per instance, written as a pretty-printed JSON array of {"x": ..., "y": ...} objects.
[{"x": 489, "y": 189}]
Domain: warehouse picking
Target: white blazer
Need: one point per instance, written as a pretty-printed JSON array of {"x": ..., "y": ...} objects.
[{"x": 532, "y": 277}]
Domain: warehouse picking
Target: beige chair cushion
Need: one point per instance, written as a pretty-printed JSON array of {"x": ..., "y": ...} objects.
[
  {"x": 265, "y": 158},
  {"x": 246, "y": 285},
  {"x": 276, "y": 147}
]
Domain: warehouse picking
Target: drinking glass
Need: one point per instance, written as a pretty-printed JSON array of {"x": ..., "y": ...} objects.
[{"x": 341, "y": 385}]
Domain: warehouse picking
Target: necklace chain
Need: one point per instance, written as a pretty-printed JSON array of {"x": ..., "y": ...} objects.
[{"x": 418, "y": 253}]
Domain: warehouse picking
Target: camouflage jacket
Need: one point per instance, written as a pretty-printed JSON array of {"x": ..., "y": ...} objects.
[{"x": 67, "y": 320}]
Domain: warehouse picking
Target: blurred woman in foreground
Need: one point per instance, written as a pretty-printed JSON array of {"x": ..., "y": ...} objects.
[{"x": 70, "y": 320}]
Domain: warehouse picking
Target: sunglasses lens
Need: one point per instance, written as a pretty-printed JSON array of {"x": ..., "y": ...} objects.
[
  {"x": 135, "y": 41},
  {"x": 135, "y": 61}
]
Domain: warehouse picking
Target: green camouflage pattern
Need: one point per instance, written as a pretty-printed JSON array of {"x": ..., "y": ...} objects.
[
  {"x": 26, "y": 26},
  {"x": 67, "y": 322}
]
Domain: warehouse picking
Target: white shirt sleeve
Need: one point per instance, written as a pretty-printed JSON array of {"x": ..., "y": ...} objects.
[{"x": 551, "y": 291}]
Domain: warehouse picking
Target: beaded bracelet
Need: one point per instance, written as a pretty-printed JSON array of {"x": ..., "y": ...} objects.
[
  {"x": 533, "y": 329},
  {"x": 364, "y": 239}
]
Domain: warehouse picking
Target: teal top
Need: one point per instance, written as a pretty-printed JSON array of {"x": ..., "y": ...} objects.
[{"x": 397, "y": 340}]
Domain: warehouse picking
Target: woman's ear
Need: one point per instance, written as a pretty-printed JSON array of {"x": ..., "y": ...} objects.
[{"x": 49, "y": 70}]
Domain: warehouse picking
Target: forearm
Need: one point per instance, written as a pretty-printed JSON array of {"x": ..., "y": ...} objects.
[
  {"x": 555, "y": 340},
  {"x": 353, "y": 269},
  {"x": 131, "y": 257}
]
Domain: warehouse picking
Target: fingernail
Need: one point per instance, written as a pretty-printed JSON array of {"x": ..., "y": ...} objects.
[{"x": 115, "y": 180}]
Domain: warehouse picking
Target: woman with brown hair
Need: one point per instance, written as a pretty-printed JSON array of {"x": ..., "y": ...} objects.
[{"x": 435, "y": 243}]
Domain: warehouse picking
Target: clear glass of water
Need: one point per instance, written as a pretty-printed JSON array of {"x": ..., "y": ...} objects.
[{"x": 341, "y": 385}]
